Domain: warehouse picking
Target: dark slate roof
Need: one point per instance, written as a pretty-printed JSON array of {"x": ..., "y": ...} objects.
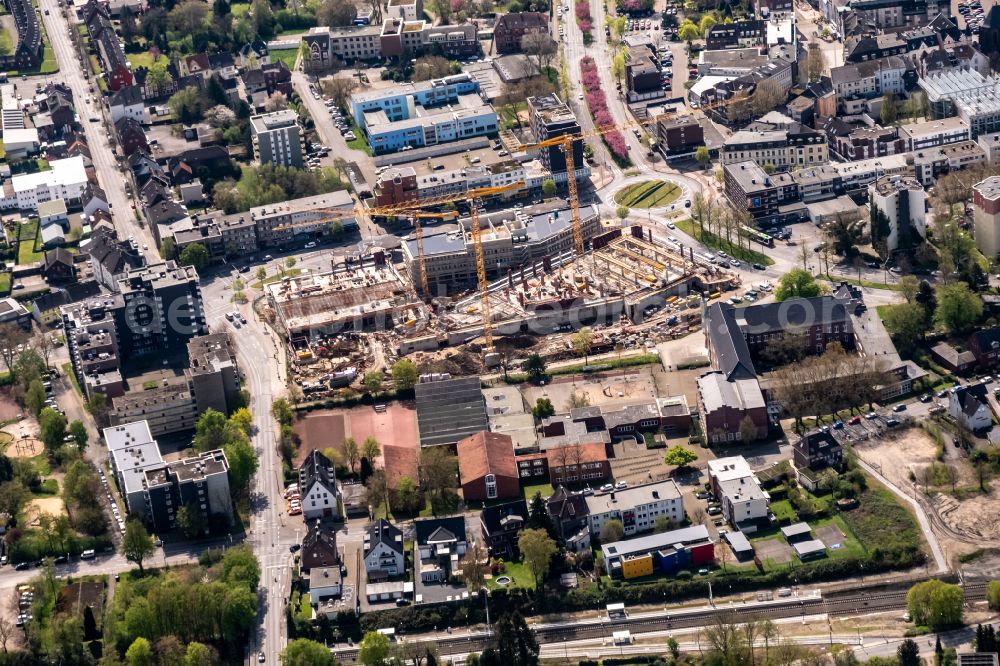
[
  {"x": 221, "y": 60},
  {"x": 93, "y": 190},
  {"x": 986, "y": 340},
  {"x": 730, "y": 347},
  {"x": 58, "y": 256},
  {"x": 971, "y": 398},
  {"x": 317, "y": 468},
  {"x": 115, "y": 257},
  {"x": 382, "y": 531},
  {"x": 165, "y": 212},
  {"x": 496, "y": 518},
  {"x": 817, "y": 442},
  {"x": 439, "y": 529},
  {"x": 449, "y": 410},
  {"x": 127, "y": 96},
  {"x": 320, "y": 541},
  {"x": 564, "y": 505},
  {"x": 797, "y": 312}
]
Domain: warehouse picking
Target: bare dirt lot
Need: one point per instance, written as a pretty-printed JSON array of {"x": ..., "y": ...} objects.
[
  {"x": 608, "y": 390},
  {"x": 966, "y": 520},
  {"x": 51, "y": 505},
  {"x": 775, "y": 550}
]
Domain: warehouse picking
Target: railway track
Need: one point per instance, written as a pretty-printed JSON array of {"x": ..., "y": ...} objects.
[{"x": 848, "y": 604}]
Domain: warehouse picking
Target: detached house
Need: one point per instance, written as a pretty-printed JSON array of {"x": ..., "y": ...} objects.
[
  {"x": 440, "y": 544},
  {"x": 501, "y": 525},
  {"x": 383, "y": 551},
  {"x": 318, "y": 487},
  {"x": 319, "y": 547},
  {"x": 569, "y": 513},
  {"x": 985, "y": 346},
  {"x": 511, "y": 28},
  {"x": 969, "y": 405},
  {"x": 131, "y": 136},
  {"x": 127, "y": 103}
]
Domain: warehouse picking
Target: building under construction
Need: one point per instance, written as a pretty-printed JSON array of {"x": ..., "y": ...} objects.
[
  {"x": 511, "y": 239},
  {"x": 627, "y": 273},
  {"x": 365, "y": 295}
]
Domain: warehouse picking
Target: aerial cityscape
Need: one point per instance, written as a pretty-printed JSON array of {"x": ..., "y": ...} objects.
[{"x": 499, "y": 333}]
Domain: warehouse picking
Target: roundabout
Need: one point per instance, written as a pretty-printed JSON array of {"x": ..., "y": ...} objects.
[{"x": 648, "y": 194}]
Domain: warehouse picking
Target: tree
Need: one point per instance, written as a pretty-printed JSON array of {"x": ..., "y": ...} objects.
[
  {"x": 535, "y": 365},
  {"x": 53, "y": 427},
  {"x": 11, "y": 335},
  {"x": 199, "y": 654},
  {"x": 814, "y": 62},
  {"x": 35, "y": 398},
  {"x": 908, "y": 653},
  {"x": 993, "y": 594},
  {"x": 475, "y": 565},
  {"x": 373, "y": 649},
  {"x": 703, "y": 156},
  {"x": 618, "y": 66},
  {"x": 906, "y": 324},
  {"x": 243, "y": 462},
  {"x": 516, "y": 643},
  {"x": 352, "y": 454},
  {"x": 158, "y": 76},
  {"x": 958, "y": 307},
  {"x": 212, "y": 431},
  {"x": 371, "y": 450},
  {"x": 404, "y": 374},
  {"x": 980, "y": 461},
  {"x": 139, "y": 653},
  {"x": 438, "y": 471},
  {"x": 888, "y": 113},
  {"x": 688, "y": 32},
  {"x": 195, "y": 255},
  {"x": 220, "y": 116},
  {"x": 261, "y": 274},
  {"x": 336, "y": 13},
  {"x": 766, "y": 97},
  {"x": 191, "y": 521},
  {"x": 679, "y": 455},
  {"x": 304, "y": 652},
  {"x": 622, "y": 212},
  {"x": 543, "y": 409},
  {"x": 748, "y": 429},
  {"x": 406, "y": 498},
  {"x": 339, "y": 90},
  {"x": 78, "y": 432},
  {"x": 537, "y": 549},
  {"x": 6, "y": 632},
  {"x": 276, "y": 101},
  {"x": 612, "y": 531},
  {"x": 936, "y": 604},
  {"x": 430, "y": 67},
  {"x": 136, "y": 542},
  {"x": 243, "y": 420},
  {"x": 373, "y": 381},
  {"x": 185, "y": 105},
  {"x": 582, "y": 342},
  {"x": 549, "y": 187},
  {"x": 539, "y": 45},
  {"x": 797, "y": 283},
  {"x": 282, "y": 411}
]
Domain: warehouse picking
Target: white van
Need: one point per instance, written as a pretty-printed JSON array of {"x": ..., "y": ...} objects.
[{"x": 88, "y": 555}]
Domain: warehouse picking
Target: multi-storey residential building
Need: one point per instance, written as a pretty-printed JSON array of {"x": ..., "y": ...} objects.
[
  {"x": 501, "y": 524},
  {"x": 276, "y": 138},
  {"x": 929, "y": 164},
  {"x": 396, "y": 185},
  {"x": 743, "y": 500},
  {"x": 637, "y": 508},
  {"x": 741, "y": 34},
  {"x": 818, "y": 449},
  {"x": 383, "y": 550},
  {"x": 486, "y": 467},
  {"x": 575, "y": 462},
  {"x": 394, "y": 37},
  {"x": 280, "y": 223},
  {"x": 550, "y": 117},
  {"x": 569, "y": 514},
  {"x": 870, "y": 79},
  {"x": 29, "y": 52},
  {"x": 902, "y": 205},
  {"x": 662, "y": 553},
  {"x": 511, "y": 28},
  {"x": 986, "y": 216},
  {"x": 154, "y": 490},
  {"x": 65, "y": 179},
  {"x": 933, "y": 133},
  {"x": 788, "y": 146},
  {"x": 161, "y": 309},
  {"x": 405, "y": 10},
  {"x": 861, "y": 143},
  {"x": 109, "y": 49},
  {"x": 318, "y": 487}
]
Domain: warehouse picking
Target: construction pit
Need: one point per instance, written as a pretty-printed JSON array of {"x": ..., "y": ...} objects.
[{"x": 627, "y": 276}]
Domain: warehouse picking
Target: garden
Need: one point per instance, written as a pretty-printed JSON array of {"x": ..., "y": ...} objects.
[{"x": 648, "y": 194}]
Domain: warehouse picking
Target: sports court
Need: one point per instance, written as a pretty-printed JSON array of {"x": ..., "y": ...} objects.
[{"x": 394, "y": 427}]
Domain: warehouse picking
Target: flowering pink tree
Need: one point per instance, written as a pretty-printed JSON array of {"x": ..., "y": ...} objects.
[
  {"x": 597, "y": 103},
  {"x": 583, "y": 19}
]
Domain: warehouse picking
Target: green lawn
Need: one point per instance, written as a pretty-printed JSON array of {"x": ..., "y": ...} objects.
[
  {"x": 287, "y": 56},
  {"x": 6, "y": 43},
  {"x": 26, "y": 252},
  {"x": 545, "y": 489},
  {"x": 238, "y": 9},
  {"x": 648, "y": 194},
  {"x": 861, "y": 283},
  {"x": 783, "y": 511},
  {"x": 359, "y": 143},
  {"x": 519, "y": 572},
  {"x": 144, "y": 59},
  {"x": 711, "y": 240},
  {"x": 4, "y": 284}
]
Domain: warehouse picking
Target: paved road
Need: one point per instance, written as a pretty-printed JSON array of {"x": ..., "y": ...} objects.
[{"x": 111, "y": 179}]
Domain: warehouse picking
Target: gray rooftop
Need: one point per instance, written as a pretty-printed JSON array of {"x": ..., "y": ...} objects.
[
  {"x": 645, "y": 544},
  {"x": 449, "y": 410},
  {"x": 620, "y": 500}
]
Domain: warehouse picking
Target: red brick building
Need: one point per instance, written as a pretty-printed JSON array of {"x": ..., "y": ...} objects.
[
  {"x": 511, "y": 28},
  {"x": 396, "y": 186},
  {"x": 578, "y": 463},
  {"x": 486, "y": 467}
]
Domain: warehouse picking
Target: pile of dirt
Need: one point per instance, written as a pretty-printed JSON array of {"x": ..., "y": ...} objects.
[{"x": 457, "y": 363}]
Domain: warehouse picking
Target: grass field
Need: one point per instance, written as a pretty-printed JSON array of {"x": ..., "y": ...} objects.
[
  {"x": 238, "y": 9},
  {"x": 648, "y": 194},
  {"x": 289, "y": 272},
  {"x": 287, "y": 56},
  {"x": 359, "y": 143},
  {"x": 6, "y": 43},
  {"x": 144, "y": 59},
  {"x": 520, "y": 576},
  {"x": 716, "y": 243},
  {"x": 26, "y": 252},
  {"x": 544, "y": 488},
  {"x": 880, "y": 521}
]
